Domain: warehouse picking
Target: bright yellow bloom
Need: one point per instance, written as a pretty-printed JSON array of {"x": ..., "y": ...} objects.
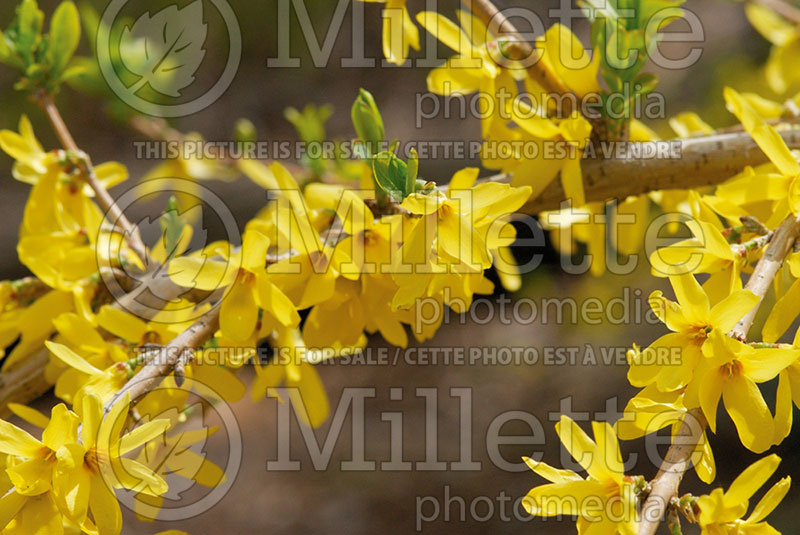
[
  {"x": 446, "y": 239},
  {"x": 30, "y": 506},
  {"x": 87, "y": 472},
  {"x": 605, "y": 501},
  {"x": 730, "y": 371},
  {"x": 251, "y": 288},
  {"x": 670, "y": 361},
  {"x": 721, "y": 513}
]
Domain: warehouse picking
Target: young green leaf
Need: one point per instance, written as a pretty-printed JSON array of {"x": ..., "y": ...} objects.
[
  {"x": 65, "y": 34},
  {"x": 171, "y": 227},
  {"x": 28, "y": 30},
  {"x": 367, "y": 121},
  {"x": 390, "y": 174}
]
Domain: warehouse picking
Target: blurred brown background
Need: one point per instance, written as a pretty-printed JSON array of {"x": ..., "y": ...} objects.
[{"x": 334, "y": 501}]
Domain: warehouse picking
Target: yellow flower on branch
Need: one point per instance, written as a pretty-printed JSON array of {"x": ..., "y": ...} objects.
[
  {"x": 605, "y": 501},
  {"x": 731, "y": 371},
  {"x": 721, "y": 513},
  {"x": 251, "y": 288},
  {"x": 670, "y": 361}
]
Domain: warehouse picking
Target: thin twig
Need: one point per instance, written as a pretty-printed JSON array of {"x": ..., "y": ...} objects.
[
  {"x": 665, "y": 485},
  {"x": 764, "y": 273},
  {"x": 113, "y": 212},
  {"x": 165, "y": 359}
]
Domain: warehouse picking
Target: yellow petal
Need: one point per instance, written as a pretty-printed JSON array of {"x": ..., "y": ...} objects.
[
  {"x": 10, "y": 505},
  {"x": 142, "y": 434},
  {"x": 15, "y": 441},
  {"x": 30, "y": 415},
  {"x": 445, "y": 31},
  {"x": 122, "y": 324},
  {"x": 254, "y": 251},
  {"x": 71, "y": 358},
  {"x": 770, "y": 501},
  {"x": 462, "y": 242},
  {"x": 308, "y": 396},
  {"x": 239, "y": 312},
  {"x": 104, "y": 507},
  {"x": 749, "y": 411},
  {"x": 690, "y": 296},
  {"x": 554, "y": 475},
  {"x": 730, "y": 310},
  {"x": 608, "y": 447},
  {"x": 572, "y": 498},
  {"x": 91, "y": 416},
  {"x": 710, "y": 393},
  {"x": 62, "y": 429},
  {"x": 783, "y": 314},
  {"x": 202, "y": 273},
  {"x": 763, "y": 134},
  {"x": 581, "y": 447},
  {"x": 752, "y": 479},
  {"x": 783, "y": 409},
  {"x": 71, "y": 482},
  {"x": 275, "y": 302}
]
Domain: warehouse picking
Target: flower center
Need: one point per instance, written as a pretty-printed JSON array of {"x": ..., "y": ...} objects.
[
  {"x": 731, "y": 369},
  {"x": 94, "y": 459}
]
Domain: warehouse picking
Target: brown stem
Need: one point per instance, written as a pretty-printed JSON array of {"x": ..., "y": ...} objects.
[
  {"x": 113, "y": 212},
  {"x": 665, "y": 485},
  {"x": 702, "y": 161},
  {"x": 166, "y": 358}
]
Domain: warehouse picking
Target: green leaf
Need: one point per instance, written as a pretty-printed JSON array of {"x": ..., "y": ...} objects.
[
  {"x": 390, "y": 174},
  {"x": 28, "y": 30},
  {"x": 90, "y": 20},
  {"x": 171, "y": 227},
  {"x": 367, "y": 121},
  {"x": 65, "y": 34},
  {"x": 74, "y": 70},
  {"x": 411, "y": 172}
]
